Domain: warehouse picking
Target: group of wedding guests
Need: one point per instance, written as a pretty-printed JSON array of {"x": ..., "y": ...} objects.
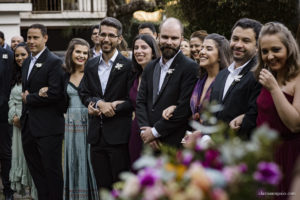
[{"x": 114, "y": 105}]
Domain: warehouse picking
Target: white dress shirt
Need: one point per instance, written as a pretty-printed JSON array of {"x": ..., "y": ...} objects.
[
  {"x": 163, "y": 72},
  {"x": 232, "y": 74},
  {"x": 104, "y": 70},
  {"x": 33, "y": 60}
]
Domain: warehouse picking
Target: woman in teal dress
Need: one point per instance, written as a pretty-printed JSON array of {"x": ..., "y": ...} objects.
[
  {"x": 79, "y": 180},
  {"x": 19, "y": 175}
]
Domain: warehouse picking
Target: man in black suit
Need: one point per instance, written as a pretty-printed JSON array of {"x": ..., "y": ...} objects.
[
  {"x": 235, "y": 87},
  {"x": 106, "y": 83},
  {"x": 166, "y": 81},
  {"x": 42, "y": 117},
  {"x": 96, "y": 49},
  {"x": 6, "y": 65}
]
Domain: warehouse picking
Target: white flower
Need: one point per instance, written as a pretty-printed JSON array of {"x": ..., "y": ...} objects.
[
  {"x": 237, "y": 78},
  {"x": 5, "y": 56},
  {"x": 170, "y": 71},
  {"x": 38, "y": 65},
  {"x": 118, "y": 66}
]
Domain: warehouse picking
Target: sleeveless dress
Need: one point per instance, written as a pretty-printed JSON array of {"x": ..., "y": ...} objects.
[
  {"x": 79, "y": 179},
  {"x": 19, "y": 174},
  {"x": 135, "y": 141},
  {"x": 288, "y": 150}
]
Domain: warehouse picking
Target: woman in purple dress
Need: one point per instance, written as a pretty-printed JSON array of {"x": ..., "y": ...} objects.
[
  {"x": 144, "y": 50},
  {"x": 279, "y": 101},
  {"x": 214, "y": 56}
]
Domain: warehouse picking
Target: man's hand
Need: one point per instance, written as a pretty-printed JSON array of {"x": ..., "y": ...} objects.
[
  {"x": 236, "y": 123},
  {"x": 106, "y": 108},
  {"x": 24, "y": 95},
  {"x": 146, "y": 134},
  {"x": 92, "y": 110}
]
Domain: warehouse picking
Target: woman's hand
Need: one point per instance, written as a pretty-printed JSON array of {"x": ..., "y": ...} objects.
[
  {"x": 168, "y": 112},
  {"x": 16, "y": 121},
  {"x": 43, "y": 92},
  {"x": 92, "y": 110},
  {"x": 236, "y": 123},
  {"x": 267, "y": 80}
]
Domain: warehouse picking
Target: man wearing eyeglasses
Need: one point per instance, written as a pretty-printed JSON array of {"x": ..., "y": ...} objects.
[{"x": 104, "y": 89}]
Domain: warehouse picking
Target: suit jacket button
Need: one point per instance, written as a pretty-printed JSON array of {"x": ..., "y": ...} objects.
[{"x": 152, "y": 109}]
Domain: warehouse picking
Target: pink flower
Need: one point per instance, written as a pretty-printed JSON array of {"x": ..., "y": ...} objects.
[{"x": 267, "y": 172}]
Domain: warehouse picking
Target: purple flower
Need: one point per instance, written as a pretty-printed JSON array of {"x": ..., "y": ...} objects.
[
  {"x": 243, "y": 167},
  {"x": 115, "y": 193},
  {"x": 267, "y": 172},
  {"x": 148, "y": 177}
]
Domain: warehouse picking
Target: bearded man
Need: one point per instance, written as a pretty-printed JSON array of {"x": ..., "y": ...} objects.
[{"x": 168, "y": 80}]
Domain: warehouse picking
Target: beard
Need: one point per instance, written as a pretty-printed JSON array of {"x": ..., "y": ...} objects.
[
  {"x": 107, "y": 47},
  {"x": 168, "y": 52}
]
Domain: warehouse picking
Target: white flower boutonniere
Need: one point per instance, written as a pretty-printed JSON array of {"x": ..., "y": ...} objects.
[
  {"x": 5, "y": 56},
  {"x": 170, "y": 71},
  {"x": 237, "y": 78},
  {"x": 38, "y": 65},
  {"x": 119, "y": 66}
]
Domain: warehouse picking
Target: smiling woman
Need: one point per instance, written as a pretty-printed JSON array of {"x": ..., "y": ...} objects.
[
  {"x": 144, "y": 50},
  {"x": 278, "y": 71},
  {"x": 77, "y": 163}
]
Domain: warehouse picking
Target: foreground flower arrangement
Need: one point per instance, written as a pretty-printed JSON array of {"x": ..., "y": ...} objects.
[{"x": 222, "y": 167}]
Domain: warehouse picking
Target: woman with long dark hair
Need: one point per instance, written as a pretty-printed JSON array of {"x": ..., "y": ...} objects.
[
  {"x": 144, "y": 50},
  {"x": 19, "y": 174}
]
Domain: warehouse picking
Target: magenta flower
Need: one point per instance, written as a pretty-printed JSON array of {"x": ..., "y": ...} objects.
[
  {"x": 212, "y": 159},
  {"x": 267, "y": 172},
  {"x": 148, "y": 177},
  {"x": 243, "y": 167},
  {"x": 115, "y": 193}
]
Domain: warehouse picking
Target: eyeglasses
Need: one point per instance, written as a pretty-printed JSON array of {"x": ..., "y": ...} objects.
[{"x": 110, "y": 36}]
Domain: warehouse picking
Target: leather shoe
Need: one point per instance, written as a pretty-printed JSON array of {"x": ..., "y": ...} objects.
[{"x": 9, "y": 197}]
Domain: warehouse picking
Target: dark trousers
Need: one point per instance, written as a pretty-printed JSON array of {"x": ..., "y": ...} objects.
[
  {"x": 5, "y": 155},
  {"x": 44, "y": 157},
  {"x": 108, "y": 162}
]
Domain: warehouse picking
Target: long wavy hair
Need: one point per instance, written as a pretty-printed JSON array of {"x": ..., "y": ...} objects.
[
  {"x": 224, "y": 54},
  {"x": 137, "y": 68},
  {"x": 292, "y": 65},
  {"x": 17, "y": 70},
  {"x": 69, "y": 63}
]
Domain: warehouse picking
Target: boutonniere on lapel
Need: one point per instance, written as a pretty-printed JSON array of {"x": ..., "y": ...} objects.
[
  {"x": 170, "y": 71},
  {"x": 237, "y": 78},
  {"x": 119, "y": 66},
  {"x": 38, "y": 65},
  {"x": 5, "y": 56}
]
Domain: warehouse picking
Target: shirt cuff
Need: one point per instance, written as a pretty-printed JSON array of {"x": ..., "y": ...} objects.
[{"x": 155, "y": 133}]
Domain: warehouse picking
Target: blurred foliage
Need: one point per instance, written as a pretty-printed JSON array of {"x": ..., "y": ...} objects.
[{"x": 220, "y": 15}]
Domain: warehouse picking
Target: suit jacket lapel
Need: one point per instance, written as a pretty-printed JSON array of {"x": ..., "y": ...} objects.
[
  {"x": 96, "y": 77},
  {"x": 222, "y": 84},
  {"x": 168, "y": 76},
  {"x": 113, "y": 70},
  {"x": 41, "y": 61},
  {"x": 25, "y": 67},
  {"x": 245, "y": 70},
  {"x": 156, "y": 77}
]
